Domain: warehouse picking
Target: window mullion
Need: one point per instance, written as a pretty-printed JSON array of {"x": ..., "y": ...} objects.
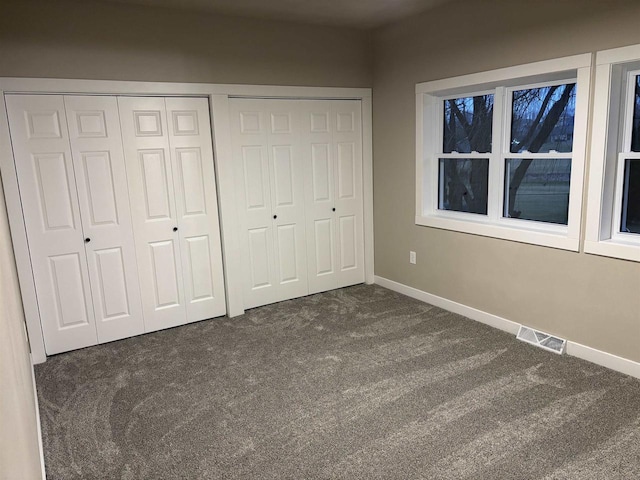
[{"x": 496, "y": 162}]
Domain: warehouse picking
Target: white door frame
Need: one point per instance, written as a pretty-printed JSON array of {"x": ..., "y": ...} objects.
[{"x": 218, "y": 95}]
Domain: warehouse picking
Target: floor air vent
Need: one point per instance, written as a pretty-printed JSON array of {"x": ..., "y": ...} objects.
[{"x": 542, "y": 340}]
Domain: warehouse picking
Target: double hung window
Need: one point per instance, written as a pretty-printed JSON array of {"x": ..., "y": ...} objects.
[
  {"x": 613, "y": 214},
  {"x": 502, "y": 153}
]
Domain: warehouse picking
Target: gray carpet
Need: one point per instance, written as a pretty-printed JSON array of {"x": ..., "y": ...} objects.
[{"x": 355, "y": 383}]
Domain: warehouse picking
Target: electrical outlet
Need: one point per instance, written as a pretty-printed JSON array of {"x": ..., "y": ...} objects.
[{"x": 412, "y": 257}]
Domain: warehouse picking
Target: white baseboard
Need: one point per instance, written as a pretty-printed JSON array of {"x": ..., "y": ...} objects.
[
  {"x": 37, "y": 358},
  {"x": 608, "y": 360},
  {"x": 35, "y": 396},
  {"x": 450, "y": 305}
]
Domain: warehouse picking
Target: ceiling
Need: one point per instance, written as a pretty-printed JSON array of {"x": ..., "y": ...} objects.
[{"x": 352, "y": 13}]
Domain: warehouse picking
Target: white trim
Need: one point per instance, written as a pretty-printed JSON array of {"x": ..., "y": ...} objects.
[
  {"x": 608, "y": 360},
  {"x": 609, "y": 137},
  {"x": 540, "y": 237},
  {"x": 450, "y": 86},
  {"x": 455, "y": 307},
  {"x": 367, "y": 172},
  {"x": 113, "y": 87},
  {"x": 38, "y": 425},
  {"x": 19, "y": 239},
  {"x": 218, "y": 95},
  {"x": 220, "y": 121},
  {"x": 626, "y": 54}
]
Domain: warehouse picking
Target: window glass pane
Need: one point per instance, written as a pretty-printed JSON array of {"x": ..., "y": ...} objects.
[
  {"x": 635, "y": 132},
  {"x": 631, "y": 197},
  {"x": 464, "y": 184},
  {"x": 542, "y": 119},
  {"x": 467, "y": 124},
  {"x": 537, "y": 189}
]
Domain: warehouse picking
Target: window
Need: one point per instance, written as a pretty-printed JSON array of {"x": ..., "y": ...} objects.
[
  {"x": 501, "y": 153},
  {"x": 541, "y": 133},
  {"x": 464, "y": 166},
  {"x": 630, "y": 162},
  {"x": 613, "y": 213}
]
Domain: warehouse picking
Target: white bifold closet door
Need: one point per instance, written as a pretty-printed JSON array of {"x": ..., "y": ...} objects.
[
  {"x": 300, "y": 202},
  {"x": 168, "y": 152},
  {"x": 72, "y": 183},
  {"x": 267, "y": 139},
  {"x": 332, "y": 159},
  {"x": 119, "y": 200}
]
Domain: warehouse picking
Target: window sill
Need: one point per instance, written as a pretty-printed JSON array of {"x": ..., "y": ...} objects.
[
  {"x": 552, "y": 236},
  {"x": 613, "y": 249}
]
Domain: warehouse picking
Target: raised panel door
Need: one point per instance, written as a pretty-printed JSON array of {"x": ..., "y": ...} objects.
[
  {"x": 250, "y": 124},
  {"x": 196, "y": 207},
  {"x": 155, "y": 217},
  {"x": 266, "y": 138},
  {"x": 287, "y": 173},
  {"x": 96, "y": 143},
  {"x": 52, "y": 217},
  {"x": 347, "y": 147},
  {"x": 319, "y": 160}
]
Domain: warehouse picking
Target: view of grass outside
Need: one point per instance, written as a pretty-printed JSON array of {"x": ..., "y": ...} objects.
[{"x": 543, "y": 193}]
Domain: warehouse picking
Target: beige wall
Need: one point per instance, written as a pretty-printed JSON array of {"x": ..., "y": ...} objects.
[
  {"x": 588, "y": 299},
  {"x": 111, "y": 41},
  {"x": 19, "y": 450}
]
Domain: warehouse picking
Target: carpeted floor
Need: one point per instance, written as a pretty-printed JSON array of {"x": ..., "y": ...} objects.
[{"x": 356, "y": 383}]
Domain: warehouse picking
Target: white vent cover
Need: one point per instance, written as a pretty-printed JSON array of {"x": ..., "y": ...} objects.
[{"x": 542, "y": 340}]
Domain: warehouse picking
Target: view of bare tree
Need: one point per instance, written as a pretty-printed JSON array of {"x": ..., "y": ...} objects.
[{"x": 541, "y": 121}]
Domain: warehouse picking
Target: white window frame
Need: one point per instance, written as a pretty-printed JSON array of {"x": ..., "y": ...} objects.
[
  {"x": 429, "y": 101},
  {"x": 610, "y": 146}
]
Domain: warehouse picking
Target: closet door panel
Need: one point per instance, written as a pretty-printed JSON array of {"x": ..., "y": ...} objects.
[
  {"x": 68, "y": 282},
  {"x": 196, "y": 207},
  {"x": 318, "y": 155},
  {"x": 249, "y": 130},
  {"x": 260, "y": 258},
  {"x": 166, "y": 286},
  {"x": 347, "y": 137},
  {"x": 94, "y": 130},
  {"x": 112, "y": 289},
  {"x": 286, "y": 171},
  {"x": 52, "y": 217},
  {"x": 154, "y": 213}
]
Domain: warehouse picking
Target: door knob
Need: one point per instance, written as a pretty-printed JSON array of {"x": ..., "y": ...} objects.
[
  {"x": 175, "y": 229},
  {"x": 275, "y": 216},
  {"x": 333, "y": 209},
  {"x": 87, "y": 240}
]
